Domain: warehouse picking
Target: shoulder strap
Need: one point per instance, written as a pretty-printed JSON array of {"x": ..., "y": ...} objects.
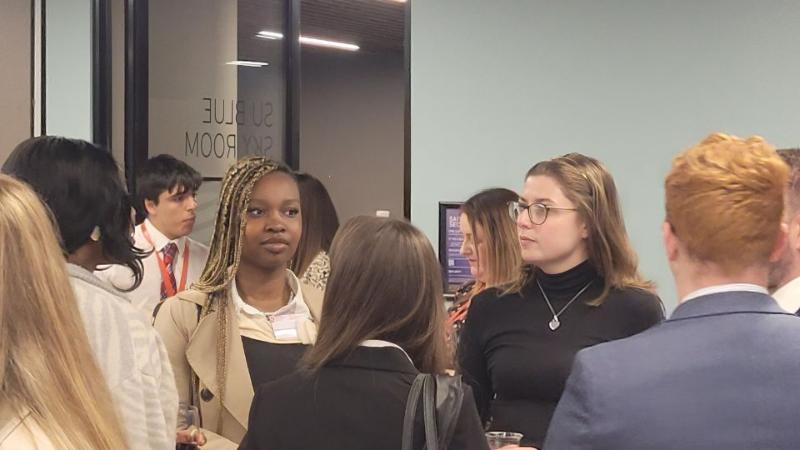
[
  {"x": 442, "y": 398},
  {"x": 429, "y": 405},
  {"x": 411, "y": 412},
  {"x": 449, "y": 398}
]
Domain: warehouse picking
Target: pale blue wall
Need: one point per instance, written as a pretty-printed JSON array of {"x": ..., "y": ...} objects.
[
  {"x": 497, "y": 86},
  {"x": 68, "y": 68}
]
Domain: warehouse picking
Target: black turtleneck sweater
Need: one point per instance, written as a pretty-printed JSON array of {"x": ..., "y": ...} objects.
[{"x": 517, "y": 366}]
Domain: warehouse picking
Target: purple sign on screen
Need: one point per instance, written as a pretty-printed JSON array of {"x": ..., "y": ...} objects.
[{"x": 457, "y": 266}]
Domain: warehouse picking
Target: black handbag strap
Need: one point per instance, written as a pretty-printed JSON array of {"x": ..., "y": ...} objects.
[
  {"x": 442, "y": 397},
  {"x": 411, "y": 412},
  {"x": 449, "y": 399},
  {"x": 429, "y": 405}
]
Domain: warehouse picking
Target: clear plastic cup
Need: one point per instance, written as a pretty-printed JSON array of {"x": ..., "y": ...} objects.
[{"x": 500, "y": 439}]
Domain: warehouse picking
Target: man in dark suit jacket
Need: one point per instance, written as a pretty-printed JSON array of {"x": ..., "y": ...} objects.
[{"x": 722, "y": 372}]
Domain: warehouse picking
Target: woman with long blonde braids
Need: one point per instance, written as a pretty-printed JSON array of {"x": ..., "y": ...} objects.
[
  {"x": 248, "y": 320},
  {"x": 52, "y": 393}
]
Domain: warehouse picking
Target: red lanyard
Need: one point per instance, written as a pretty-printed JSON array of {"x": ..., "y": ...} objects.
[{"x": 164, "y": 272}]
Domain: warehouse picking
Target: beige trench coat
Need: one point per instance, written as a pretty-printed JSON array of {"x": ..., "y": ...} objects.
[{"x": 191, "y": 346}]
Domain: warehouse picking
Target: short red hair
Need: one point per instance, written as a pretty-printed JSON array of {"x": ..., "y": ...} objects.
[{"x": 724, "y": 200}]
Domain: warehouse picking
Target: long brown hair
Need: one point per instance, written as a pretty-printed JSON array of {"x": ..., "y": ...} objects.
[
  {"x": 320, "y": 222},
  {"x": 488, "y": 210},
  {"x": 587, "y": 183},
  {"x": 385, "y": 284},
  {"x": 225, "y": 253},
  {"x": 46, "y": 364}
]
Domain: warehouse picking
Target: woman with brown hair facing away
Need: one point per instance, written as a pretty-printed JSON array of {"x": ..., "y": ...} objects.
[
  {"x": 490, "y": 245},
  {"x": 580, "y": 286},
  {"x": 52, "y": 393},
  {"x": 248, "y": 319},
  {"x": 381, "y": 326}
]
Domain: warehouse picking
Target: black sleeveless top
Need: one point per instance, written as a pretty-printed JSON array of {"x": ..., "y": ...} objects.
[{"x": 268, "y": 362}]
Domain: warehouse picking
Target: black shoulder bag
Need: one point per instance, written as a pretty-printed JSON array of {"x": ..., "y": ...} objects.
[{"x": 442, "y": 397}]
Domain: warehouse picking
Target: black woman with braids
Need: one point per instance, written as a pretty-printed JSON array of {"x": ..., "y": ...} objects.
[{"x": 248, "y": 319}]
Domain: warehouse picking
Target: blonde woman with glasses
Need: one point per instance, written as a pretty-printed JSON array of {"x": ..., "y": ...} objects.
[
  {"x": 580, "y": 286},
  {"x": 52, "y": 393}
]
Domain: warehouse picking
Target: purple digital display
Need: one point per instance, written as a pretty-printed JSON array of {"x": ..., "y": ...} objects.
[{"x": 457, "y": 267}]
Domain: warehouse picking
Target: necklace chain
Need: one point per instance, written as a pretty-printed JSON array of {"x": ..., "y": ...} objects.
[{"x": 555, "y": 322}]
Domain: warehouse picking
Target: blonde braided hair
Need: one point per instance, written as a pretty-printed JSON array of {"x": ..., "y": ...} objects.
[{"x": 226, "y": 250}]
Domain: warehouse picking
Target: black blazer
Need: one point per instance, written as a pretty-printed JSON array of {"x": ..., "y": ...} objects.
[{"x": 353, "y": 404}]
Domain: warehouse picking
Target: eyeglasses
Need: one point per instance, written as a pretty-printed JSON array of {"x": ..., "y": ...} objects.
[{"x": 537, "y": 212}]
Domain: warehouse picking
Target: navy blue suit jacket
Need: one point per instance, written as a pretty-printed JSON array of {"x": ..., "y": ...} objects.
[{"x": 722, "y": 373}]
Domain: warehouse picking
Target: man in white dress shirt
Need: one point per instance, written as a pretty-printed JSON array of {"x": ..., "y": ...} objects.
[
  {"x": 785, "y": 275},
  {"x": 165, "y": 194}
]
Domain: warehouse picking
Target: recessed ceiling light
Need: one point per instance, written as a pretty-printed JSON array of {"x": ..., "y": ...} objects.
[
  {"x": 269, "y": 35},
  {"x": 247, "y": 63},
  {"x": 327, "y": 43},
  {"x": 272, "y": 35}
]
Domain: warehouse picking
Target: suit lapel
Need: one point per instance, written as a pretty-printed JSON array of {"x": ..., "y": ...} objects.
[
  {"x": 313, "y": 299},
  {"x": 202, "y": 359}
]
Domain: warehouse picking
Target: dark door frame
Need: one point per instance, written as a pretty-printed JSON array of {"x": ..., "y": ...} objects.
[
  {"x": 407, "y": 118},
  {"x": 101, "y": 73},
  {"x": 137, "y": 74}
]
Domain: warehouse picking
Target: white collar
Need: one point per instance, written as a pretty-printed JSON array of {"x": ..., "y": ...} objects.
[
  {"x": 720, "y": 288},
  {"x": 296, "y": 305},
  {"x": 788, "y": 296},
  {"x": 159, "y": 240},
  {"x": 377, "y": 343}
]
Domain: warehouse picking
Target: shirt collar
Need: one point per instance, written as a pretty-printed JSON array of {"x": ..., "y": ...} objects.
[
  {"x": 722, "y": 288},
  {"x": 296, "y": 305},
  {"x": 79, "y": 273},
  {"x": 377, "y": 343},
  {"x": 788, "y": 296},
  {"x": 159, "y": 240}
]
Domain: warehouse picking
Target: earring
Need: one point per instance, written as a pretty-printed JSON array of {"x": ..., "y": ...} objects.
[{"x": 95, "y": 236}]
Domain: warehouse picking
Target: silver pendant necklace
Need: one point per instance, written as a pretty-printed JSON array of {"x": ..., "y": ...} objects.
[{"x": 555, "y": 323}]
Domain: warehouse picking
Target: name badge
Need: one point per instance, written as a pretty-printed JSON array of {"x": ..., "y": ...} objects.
[{"x": 286, "y": 326}]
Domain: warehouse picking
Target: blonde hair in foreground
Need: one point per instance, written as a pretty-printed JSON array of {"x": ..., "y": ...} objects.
[
  {"x": 724, "y": 200},
  {"x": 47, "y": 364}
]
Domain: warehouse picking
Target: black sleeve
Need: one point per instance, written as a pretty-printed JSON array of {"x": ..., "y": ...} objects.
[
  {"x": 468, "y": 434},
  {"x": 648, "y": 312},
  {"x": 471, "y": 357}
]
